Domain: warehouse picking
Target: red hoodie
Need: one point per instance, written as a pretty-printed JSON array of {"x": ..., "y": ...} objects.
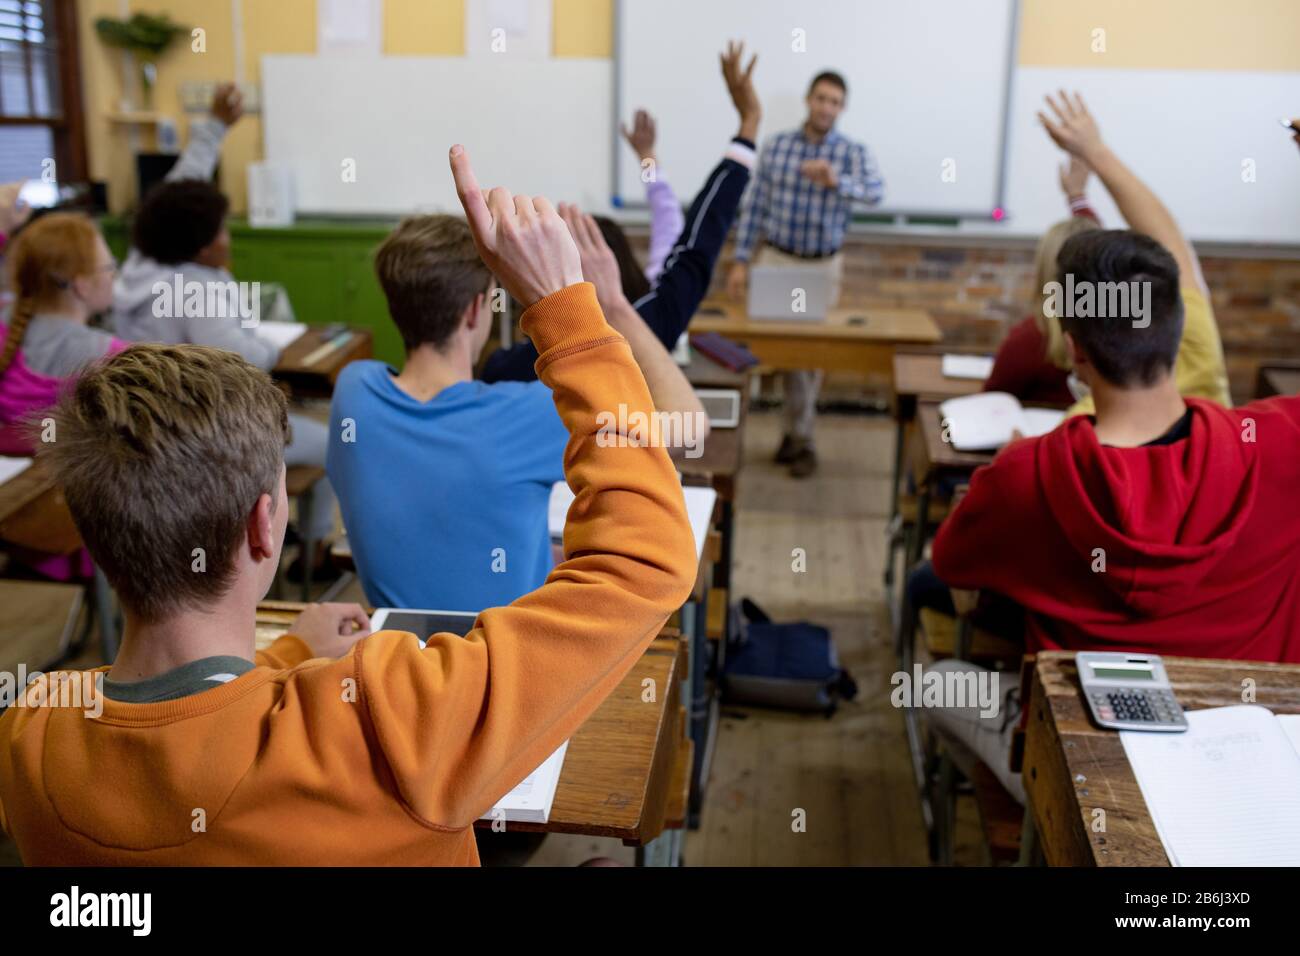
[{"x": 1200, "y": 538}]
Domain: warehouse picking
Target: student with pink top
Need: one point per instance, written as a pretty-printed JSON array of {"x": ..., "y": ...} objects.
[{"x": 60, "y": 276}]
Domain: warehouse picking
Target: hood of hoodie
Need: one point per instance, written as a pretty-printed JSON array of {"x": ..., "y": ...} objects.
[
  {"x": 1163, "y": 516},
  {"x": 133, "y": 291}
]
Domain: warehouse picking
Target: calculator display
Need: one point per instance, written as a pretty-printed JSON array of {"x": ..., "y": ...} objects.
[{"x": 1124, "y": 673}]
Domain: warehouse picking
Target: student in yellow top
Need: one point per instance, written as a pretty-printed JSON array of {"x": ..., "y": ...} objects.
[{"x": 1200, "y": 371}]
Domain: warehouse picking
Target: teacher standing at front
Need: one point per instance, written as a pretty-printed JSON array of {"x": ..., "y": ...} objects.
[{"x": 799, "y": 204}]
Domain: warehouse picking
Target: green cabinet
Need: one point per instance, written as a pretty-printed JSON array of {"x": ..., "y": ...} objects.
[{"x": 326, "y": 267}]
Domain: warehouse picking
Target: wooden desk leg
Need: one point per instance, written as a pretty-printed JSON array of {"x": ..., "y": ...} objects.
[
  {"x": 894, "y": 491},
  {"x": 722, "y": 570},
  {"x": 663, "y": 850},
  {"x": 308, "y": 542},
  {"x": 694, "y": 615},
  {"x": 1029, "y": 855},
  {"x": 107, "y": 616}
]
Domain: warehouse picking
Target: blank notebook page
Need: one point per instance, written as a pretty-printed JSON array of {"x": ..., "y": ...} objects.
[{"x": 1226, "y": 792}]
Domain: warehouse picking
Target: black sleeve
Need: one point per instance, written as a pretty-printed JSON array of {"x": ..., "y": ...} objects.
[{"x": 668, "y": 307}]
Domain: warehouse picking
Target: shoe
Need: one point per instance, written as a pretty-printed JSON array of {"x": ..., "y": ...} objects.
[
  {"x": 789, "y": 450},
  {"x": 804, "y": 464}
]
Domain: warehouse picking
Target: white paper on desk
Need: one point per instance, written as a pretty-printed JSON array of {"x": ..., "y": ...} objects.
[
  {"x": 281, "y": 334},
  {"x": 987, "y": 419},
  {"x": 531, "y": 800},
  {"x": 699, "y": 511},
  {"x": 1226, "y": 792},
  {"x": 11, "y": 468},
  {"x": 978, "y": 367}
]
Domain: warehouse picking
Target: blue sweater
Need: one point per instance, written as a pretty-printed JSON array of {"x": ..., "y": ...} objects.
[
  {"x": 445, "y": 501},
  {"x": 668, "y": 307}
]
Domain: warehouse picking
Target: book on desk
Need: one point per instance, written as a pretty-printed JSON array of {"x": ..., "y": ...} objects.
[{"x": 1226, "y": 792}]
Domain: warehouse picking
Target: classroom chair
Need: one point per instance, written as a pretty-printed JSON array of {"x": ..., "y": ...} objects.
[{"x": 300, "y": 482}]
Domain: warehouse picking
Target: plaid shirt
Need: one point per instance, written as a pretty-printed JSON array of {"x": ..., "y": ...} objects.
[{"x": 795, "y": 214}]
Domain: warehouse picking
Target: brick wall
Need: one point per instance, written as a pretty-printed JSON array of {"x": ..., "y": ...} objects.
[{"x": 976, "y": 291}]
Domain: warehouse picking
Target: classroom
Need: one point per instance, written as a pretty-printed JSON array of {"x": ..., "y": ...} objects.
[{"x": 751, "y": 434}]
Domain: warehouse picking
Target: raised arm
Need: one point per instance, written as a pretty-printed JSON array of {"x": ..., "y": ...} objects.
[
  {"x": 665, "y": 210},
  {"x": 669, "y": 388},
  {"x": 461, "y": 722},
  {"x": 1076, "y": 132},
  {"x": 203, "y": 151}
]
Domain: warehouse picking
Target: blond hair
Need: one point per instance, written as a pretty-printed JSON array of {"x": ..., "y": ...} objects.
[
  {"x": 162, "y": 452},
  {"x": 43, "y": 262},
  {"x": 1045, "y": 271}
]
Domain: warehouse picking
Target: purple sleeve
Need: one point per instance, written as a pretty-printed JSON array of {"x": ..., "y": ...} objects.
[{"x": 666, "y": 222}]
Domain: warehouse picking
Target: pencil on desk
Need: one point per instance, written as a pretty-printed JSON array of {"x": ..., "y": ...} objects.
[{"x": 328, "y": 348}]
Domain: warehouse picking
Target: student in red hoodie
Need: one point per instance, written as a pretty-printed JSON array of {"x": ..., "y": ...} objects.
[{"x": 1164, "y": 524}]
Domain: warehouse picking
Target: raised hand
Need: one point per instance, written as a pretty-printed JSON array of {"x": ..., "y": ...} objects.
[
  {"x": 13, "y": 211},
  {"x": 740, "y": 86},
  {"x": 599, "y": 265},
  {"x": 1074, "y": 177},
  {"x": 522, "y": 240},
  {"x": 1075, "y": 131},
  {"x": 228, "y": 103},
  {"x": 641, "y": 137}
]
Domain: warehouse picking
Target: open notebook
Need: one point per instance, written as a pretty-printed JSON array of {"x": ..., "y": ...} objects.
[
  {"x": 986, "y": 420},
  {"x": 1226, "y": 792},
  {"x": 281, "y": 334}
]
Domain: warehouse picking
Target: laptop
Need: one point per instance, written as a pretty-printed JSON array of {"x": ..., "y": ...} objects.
[{"x": 772, "y": 293}]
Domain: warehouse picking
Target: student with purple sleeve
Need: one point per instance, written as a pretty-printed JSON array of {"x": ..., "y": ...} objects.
[{"x": 668, "y": 306}]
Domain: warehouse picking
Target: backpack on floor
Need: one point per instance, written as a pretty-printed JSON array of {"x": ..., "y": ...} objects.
[{"x": 788, "y": 666}]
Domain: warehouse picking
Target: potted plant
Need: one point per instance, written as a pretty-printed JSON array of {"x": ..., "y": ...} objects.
[{"x": 145, "y": 37}]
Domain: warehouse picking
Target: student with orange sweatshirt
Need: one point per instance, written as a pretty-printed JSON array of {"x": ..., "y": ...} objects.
[{"x": 333, "y": 746}]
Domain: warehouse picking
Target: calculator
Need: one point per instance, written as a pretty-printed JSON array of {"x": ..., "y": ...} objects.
[{"x": 1129, "y": 691}]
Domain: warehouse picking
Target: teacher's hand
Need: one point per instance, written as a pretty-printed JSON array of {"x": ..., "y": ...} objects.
[{"x": 821, "y": 172}]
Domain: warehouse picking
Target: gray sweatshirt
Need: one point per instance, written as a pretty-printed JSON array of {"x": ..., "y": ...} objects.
[{"x": 187, "y": 302}]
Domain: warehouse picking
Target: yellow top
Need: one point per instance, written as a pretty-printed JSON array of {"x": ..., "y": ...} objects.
[{"x": 1199, "y": 370}]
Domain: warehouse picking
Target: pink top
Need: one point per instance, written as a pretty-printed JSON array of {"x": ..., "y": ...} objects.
[{"x": 23, "y": 393}]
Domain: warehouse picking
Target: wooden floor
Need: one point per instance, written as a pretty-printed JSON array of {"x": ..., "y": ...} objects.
[{"x": 849, "y": 774}]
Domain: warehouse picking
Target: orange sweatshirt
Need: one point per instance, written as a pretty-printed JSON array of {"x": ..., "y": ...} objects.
[{"x": 389, "y": 754}]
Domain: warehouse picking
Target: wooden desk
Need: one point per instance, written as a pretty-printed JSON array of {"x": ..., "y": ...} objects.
[
  {"x": 316, "y": 380},
  {"x": 34, "y": 514},
  {"x": 1072, "y": 768},
  {"x": 849, "y": 340},
  {"x": 1277, "y": 380},
  {"x": 619, "y": 768},
  {"x": 919, "y": 375}
]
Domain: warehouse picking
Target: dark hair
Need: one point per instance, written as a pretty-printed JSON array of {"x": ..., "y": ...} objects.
[
  {"x": 178, "y": 220},
  {"x": 831, "y": 77},
  {"x": 635, "y": 284},
  {"x": 430, "y": 273},
  {"x": 1125, "y": 355}
]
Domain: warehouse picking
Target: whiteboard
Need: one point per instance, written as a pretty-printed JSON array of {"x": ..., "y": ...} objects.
[
  {"x": 927, "y": 84},
  {"x": 395, "y": 118},
  {"x": 1187, "y": 134}
]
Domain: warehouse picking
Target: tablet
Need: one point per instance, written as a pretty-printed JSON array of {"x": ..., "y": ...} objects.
[
  {"x": 423, "y": 624},
  {"x": 722, "y": 405}
]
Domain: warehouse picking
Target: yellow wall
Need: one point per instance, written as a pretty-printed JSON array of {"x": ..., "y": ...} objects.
[
  {"x": 1162, "y": 34},
  {"x": 581, "y": 28},
  {"x": 1141, "y": 34}
]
